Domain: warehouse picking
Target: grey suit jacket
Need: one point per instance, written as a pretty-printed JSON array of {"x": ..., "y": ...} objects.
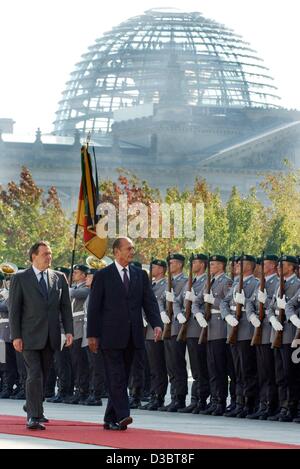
[
  {"x": 32, "y": 317},
  {"x": 228, "y": 306},
  {"x": 252, "y": 307},
  {"x": 159, "y": 291},
  {"x": 78, "y": 296},
  {"x": 292, "y": 286},
  {"x": 4, "y": 323}
]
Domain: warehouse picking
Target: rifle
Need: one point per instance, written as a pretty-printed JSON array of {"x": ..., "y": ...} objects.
[
  {"x": 150, "y": 272},
  {"x": 207, "y": 315},
  {"x": 232, "y": 267},
  {"x": 188, "y": 306},
  {"x": 167, "y": 327},
  {"x": 257, "y": 336},
  {"x": 234, "y": 332},
  {"x": 277, "y": 342}
]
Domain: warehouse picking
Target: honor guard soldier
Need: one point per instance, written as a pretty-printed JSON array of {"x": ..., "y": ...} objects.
[
  {"x": 80, "y": 365},
  {"x": 216, "y": 333},
  {"x": 197, "y": 352},
  {"x": 175, "y": 351},
  {"x": 268, "y": 395},
  {"x": 284, "y": 329},
  {"x": 155, "y": 350},
  {"x": 239, "y": 335}
]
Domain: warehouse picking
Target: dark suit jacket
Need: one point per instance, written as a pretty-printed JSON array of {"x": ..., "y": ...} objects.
[
  {"x": 32, "y": 317},
  {"x": 113, "y": 314}
]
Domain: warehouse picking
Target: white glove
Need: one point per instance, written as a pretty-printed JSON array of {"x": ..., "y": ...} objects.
[
  {"x": 255, "y": 321},
  {"x": 165, "y": 318},
  {"x": 277, "y": 326},
  {"x": 170, "y": 296},
  {"x": 231, "y": 320},
  {"x": 4, "y": 294},
  {"x": 145, "y": 322},
  {"x": 201, "y": 320},
  {"x": 180, "y": 318},
  {"x": 262, "y": 296},
  {"x": 209, "y": 298},
  {"x": 190, "y": 296},
  {"x": 239, "y": 298},
  {"x": 295, "y": 320},
  {"x": 281, "y": 302}
]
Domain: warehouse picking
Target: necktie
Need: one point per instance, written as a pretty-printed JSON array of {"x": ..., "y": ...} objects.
[
  {"x": 126, "y": 280},
  {"x": 43, "y": 285}
]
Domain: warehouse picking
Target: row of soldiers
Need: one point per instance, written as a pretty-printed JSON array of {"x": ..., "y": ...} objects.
[{"x": 219, "y": 314}]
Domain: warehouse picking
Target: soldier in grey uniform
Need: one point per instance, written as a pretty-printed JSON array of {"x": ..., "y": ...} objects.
[
  {"x": 97, "y": 373},
  {"x": 155, "y": 350},
  {"x": 268, "y": 395},
  {"x": 216, "y": 334},
  {"x": 80, "y": 364},
  {"x": 10, "y": 375},
  {"x": 197, "y": 353},
  {"x": 175, "y": 351},
  {"x": 244, "y": 356},
  {"x": 287, "y": 374}
]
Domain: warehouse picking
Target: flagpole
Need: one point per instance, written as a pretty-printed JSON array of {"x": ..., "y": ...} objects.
[{"x": 76, "y": 228}]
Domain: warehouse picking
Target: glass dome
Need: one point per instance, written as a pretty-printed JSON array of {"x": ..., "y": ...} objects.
[{"x": 162, "y": 55}]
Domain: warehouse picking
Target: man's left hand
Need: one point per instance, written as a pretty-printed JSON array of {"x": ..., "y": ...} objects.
[
  {"x": 69, "y": 340},
  {"x": 93, "y": 343},
  {"x": 157, "y": 334}
]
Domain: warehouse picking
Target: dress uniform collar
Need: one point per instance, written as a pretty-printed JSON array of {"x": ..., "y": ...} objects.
[
  {"x": 219, "y": 276},
  {"x": 249, "y": 277},
  {"x": 268, "y": 277},
  {"x": 161, "y": 280},
  {"x": 200, "y": 277},
  {"x": 288, "y": 279},
  {"x": 177, "y": 277}
]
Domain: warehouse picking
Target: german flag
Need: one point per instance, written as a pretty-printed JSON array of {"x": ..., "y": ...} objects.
[{"x": 88, "y": 201}]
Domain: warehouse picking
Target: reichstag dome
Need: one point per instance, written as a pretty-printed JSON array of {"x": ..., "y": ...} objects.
[{"x": 158, "y": 57}]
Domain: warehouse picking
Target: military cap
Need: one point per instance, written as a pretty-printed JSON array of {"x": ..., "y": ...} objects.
[
  {"x": 91, "y": 271},
  {"x": 199, "y": 257},
  {"x": 290, "y": 259},
  {"x": 248, "y": 257},
  {"x": 218, "y": 258},
  {"x": 271, "y": 257},
  {"x": 159, "y": 262},
  {"x": 259, "y": 260},
  {"x": 234, "y": 258},
  {"x": 177, "y": 257},
  {"x": 136, "y": 264},
  {"x": 2, "y": 276},
  {"x": 83, "y": 268},
  {"x": 64, "y": 270}
]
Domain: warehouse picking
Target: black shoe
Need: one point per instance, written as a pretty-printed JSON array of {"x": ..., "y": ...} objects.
[
  {"x": 234, "y": 412},
  {"x": 72, "y": 399},
  {"x": 82, "y": 399},
  {"x": 188, "y": 409},
  {"x": 286, "y": 416},
  {"x": 58, "y": 399},
  {"x": 275, "y": 417},
  {"x": 123, "y": 423},
  {"x": 19, "y": 396},
  {"x": 209, "y": 410},
  {"x": 43, "y": 419},
  {"x": 176, "y": 406},
  {"x": 164, "y": 408},
  {"x": 261, "y": 412},
  {"x": 200, "y": 407},
  {"x": 34, "y": 424},
  {"x": 134, "y": 403},
  {"x": 5, "y": 394},
  {"x": 219, "y": 411},
  {"x": 113, "y": 426},
  {"x": 93, "y": 401}
]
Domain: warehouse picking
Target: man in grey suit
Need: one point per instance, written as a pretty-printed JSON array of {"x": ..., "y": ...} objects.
[{"x": 38, "y": 303}]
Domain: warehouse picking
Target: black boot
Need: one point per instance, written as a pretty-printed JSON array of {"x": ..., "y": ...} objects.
[
  {"x": 188, "y": 409},
  {"x": 296, "y": 419},
  {"x": 261, "y": 412},
  {"x": 178, "y": 404},
  {"x": 164, "y": 408},
  {"x": 201, "y": 406},
  {"x": 220, "y": 409},
  {"x": 237, "y": 409}
]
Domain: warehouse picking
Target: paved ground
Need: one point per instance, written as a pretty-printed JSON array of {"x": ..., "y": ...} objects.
[{"x": 288, "y": 433}]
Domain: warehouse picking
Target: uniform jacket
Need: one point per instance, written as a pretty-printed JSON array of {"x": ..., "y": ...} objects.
[
  {"x": 78, "y": 296},
  {"x": 159, "y": 289},
  {"x": 4, "y": 322}
]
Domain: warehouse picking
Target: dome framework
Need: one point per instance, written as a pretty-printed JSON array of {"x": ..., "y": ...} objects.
[{"x": 162, "y": 56}]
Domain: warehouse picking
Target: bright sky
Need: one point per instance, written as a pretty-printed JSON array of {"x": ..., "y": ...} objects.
[{"x": 42, "y": 40}]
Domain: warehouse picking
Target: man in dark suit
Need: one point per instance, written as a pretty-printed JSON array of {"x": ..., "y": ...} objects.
[
  {"x": 39, "y": 303},
  {"x": 115, "y": 324}
]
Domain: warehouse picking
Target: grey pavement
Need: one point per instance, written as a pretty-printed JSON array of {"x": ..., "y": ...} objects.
[{"x": 285, "y": 433}]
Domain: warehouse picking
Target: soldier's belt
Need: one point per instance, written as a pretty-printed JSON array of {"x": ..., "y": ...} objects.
[
  {"x": 78, "y": 313},
  {"x": 233, "y": 308},
  {"x": 215, "y": 311},
  {"x": 4, "y": 321}
]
